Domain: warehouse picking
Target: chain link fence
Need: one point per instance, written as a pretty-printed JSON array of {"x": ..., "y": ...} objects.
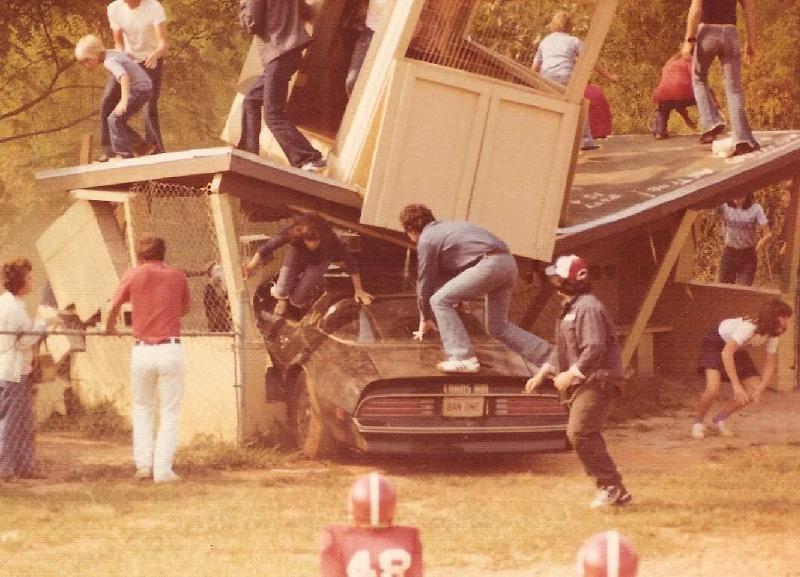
[{"x": 81, "y": 376}]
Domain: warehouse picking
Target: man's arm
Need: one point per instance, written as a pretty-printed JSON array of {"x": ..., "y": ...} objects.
[
  {"x": 163, "y": 45},
  {"x": 750, "y": 30},
  {"x": 119, "y": 40},
  {"x": 692, "y": 22},
  {"x": 120, "y": 297},
  {"x": 111, "y": 320},
  {"x": 125, "y": 91}
]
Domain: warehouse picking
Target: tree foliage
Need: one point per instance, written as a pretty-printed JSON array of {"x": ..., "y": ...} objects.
[{"x": 47, "y": 101}]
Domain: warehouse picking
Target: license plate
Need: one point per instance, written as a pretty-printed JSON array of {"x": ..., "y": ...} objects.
[{"x": 462, "y": 406}]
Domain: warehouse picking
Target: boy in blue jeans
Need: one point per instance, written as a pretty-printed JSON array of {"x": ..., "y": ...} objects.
[{"x": 135, "y": 89}]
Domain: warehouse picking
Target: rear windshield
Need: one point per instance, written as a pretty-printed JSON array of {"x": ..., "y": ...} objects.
[{"x": 389, "y": 319}]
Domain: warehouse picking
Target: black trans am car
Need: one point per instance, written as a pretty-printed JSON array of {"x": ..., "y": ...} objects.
[{"x": 354, "y": 377}]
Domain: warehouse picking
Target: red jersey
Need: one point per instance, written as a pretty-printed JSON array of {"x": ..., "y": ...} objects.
[
  {"x": 347, "y": 551},
  {"x": 159, "y": 294},
  {"x": 676, "y": 81}
]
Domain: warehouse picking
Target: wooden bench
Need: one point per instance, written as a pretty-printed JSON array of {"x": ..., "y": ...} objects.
[{"x": 644, "y": 349}]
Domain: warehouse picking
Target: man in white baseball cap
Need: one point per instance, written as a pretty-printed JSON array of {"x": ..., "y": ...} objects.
[{"x": 586, "y": 367}]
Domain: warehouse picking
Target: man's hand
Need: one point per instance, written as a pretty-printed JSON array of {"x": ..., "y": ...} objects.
[
  {"x": 686, "y": 49},
  {"x": 151, "y": 61},
  {"x": 121, "y": 107},
  {"x": 363, "y": 297},
  {"x": 425, "y": 326},
  {"x": 564, "y": 380},
  {"x": 538, "y": 379},
  {"x": 749, "y": 52}
]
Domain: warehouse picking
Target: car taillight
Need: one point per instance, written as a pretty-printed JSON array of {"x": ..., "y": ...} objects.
[
  {"x": 397, "y": 407},
  {"x": 527, "y": 405}
]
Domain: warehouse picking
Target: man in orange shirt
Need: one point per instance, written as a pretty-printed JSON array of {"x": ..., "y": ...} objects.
[{"x": 159, "y": 297}]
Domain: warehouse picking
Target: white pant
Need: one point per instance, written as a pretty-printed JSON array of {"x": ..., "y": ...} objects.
[{"x": 161, "y": 369}]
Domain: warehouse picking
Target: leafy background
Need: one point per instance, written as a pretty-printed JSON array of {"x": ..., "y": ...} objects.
[{"x": 47, "y": 101}]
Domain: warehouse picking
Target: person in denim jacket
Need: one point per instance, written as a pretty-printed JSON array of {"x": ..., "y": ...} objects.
[{"x": 586, "y": 368}]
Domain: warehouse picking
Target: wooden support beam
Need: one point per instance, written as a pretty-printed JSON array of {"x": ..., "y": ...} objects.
[
  {"x": 253, "y": 413},
  {"x": 787, "y": 377},
  {"x": 546, "y": 291},
  {"x": 102, "y": 195},
  {"x": 654, "y": 292}
]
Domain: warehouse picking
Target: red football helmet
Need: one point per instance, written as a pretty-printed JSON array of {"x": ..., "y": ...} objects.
[
  {"x": 372, "y": 501},
  {"x": 607, "y": 554}
]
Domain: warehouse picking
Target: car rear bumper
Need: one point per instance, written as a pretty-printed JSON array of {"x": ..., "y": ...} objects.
[{"x": 421, "y": 441}]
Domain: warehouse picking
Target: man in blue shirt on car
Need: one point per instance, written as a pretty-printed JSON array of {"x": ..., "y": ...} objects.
[{"x": 458, "y": 261}]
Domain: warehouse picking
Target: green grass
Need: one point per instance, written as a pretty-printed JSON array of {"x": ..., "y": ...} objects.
[{"x": 266, "y": 522}]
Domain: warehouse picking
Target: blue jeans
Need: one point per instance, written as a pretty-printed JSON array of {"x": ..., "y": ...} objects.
[
  {"x": 723, "y": 43},
  {"x": 299, "y": 280},
  {"x": 152, "y": 127},
  {"x": 357, "y": 59},
  {"x": 16, "y": 428},
  {"x": 493, "y": 276},
  {"x": 665, "y": 108},
  {"x": 122, "y": 135},
  {"x": 271, "y": 91},
  {"x": 738, "y": 265}
]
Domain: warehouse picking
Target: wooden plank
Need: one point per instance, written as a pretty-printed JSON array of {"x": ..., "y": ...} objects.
[
  {"x": 228, "y": 243},
  {"x": 592, "y": 44},
  {"x": 654, "y": 292},
  {"x": 130, "y": 231},
  {"x": 294, "y": 179},
  {"x": 252, "y": 359},
  {"x": 101, "y": 194},
  {"x": 722, "y": 183},
  {"x": 389, "y": 43},
  {"x": 153, "y": 167}
]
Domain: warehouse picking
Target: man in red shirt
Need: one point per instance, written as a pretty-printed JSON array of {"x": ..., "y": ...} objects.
[
  {"x": 159, "y": 297},
  {"x": 372, "y": 546}
]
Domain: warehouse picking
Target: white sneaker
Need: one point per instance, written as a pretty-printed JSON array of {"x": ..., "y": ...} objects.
[
  {"x": 723, "y": 429},
  {"x": 315, "y": 166},
  {"x": 607, "y": 496},
  {"x": 470, "y": 365},
  {"x": 169, "y": 477},
  {"x": 699, "y": 431}
]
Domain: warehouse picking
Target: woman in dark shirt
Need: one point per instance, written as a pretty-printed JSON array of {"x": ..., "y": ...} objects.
[{"x": 313, "y": 246}]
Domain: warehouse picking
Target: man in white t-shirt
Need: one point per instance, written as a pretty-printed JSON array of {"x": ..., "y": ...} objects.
[{"x": 140, "y": 29}]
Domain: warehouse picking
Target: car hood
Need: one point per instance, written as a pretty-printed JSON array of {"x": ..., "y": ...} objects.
[{"x": 419, "y": 360}]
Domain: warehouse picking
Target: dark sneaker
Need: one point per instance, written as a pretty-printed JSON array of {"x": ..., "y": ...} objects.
[
  {"x": 711, "y": 135},
  {"x": 745, "y": 148},
  {"x": 616, "y": 495}
]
